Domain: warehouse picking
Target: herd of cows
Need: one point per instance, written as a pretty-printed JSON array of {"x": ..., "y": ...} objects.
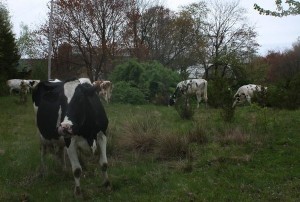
[{"x": 70, "y": 116}]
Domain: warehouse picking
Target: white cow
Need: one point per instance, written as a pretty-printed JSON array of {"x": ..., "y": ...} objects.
[
  {"x": 104, "y": 88},
  {"x": 191, "y": 86},
  {"x": 246, "y": 92},
  {"x": 14, "y": 84}
]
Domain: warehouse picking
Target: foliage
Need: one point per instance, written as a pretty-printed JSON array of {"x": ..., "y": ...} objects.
[
  {"x": 283, "y": 66},
  {"x": 39, "y": 70},
  {"x": 9, "y": 55},
  {"x": 260, "y": 96},
  {"x": 129, "y": 72},
  {"x": 257, "y": 71},
  {"x": 229, "y": 36},
  {"x": 293, "y": 9},
  {"x": 26, "y": 43},
  {"x": 285, "y": 95},
  {"x": 126, "y": 93},
  {"x": 152, "y": 79},
  {"x": 220, "y": 94},
  {"x": 186, "y": 106},
  {"x": 158, "y": 82}
]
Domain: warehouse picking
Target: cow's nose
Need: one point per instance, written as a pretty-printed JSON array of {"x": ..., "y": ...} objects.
[{"x": 65, "y": 130}]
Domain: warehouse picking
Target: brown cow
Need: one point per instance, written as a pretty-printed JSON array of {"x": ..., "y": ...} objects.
[{"x": 104, "y": 89}]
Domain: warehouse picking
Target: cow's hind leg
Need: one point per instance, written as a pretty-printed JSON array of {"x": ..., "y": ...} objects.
[
  {"x": 43, "y": 149},
  {"x": 76, "y": 167},
  {"x": 102, "y": 141}
]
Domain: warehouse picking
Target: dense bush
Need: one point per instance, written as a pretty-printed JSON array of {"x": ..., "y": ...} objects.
[
  {"x": 129, "y": 72},
  {"x": 151, "y": 79},
  {"x": 125, "y": 93},
  {"x": 158, "y": 82},
  {"x": 285, "y": 95}
]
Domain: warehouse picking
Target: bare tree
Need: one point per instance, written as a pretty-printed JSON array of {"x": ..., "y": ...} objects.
[
  {"x": 92, "y": 28},
  {"x": 134, "y": 34},
  {"x": 228, "y": 35}
]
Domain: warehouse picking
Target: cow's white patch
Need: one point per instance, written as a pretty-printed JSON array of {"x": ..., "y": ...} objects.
[
  {"x": 94, "y": 146},
  {"x": 69, "y": 89},
  {"x": 59, "y": 117},
  {"x": 67, "y": 121}
]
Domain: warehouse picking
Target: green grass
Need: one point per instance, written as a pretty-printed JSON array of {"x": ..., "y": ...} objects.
[{"x": 254, "y": 158}]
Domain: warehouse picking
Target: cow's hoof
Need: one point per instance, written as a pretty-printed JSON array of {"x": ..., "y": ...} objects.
[
  {"x": 77, "y": 191},
  {"x": 107, "y": 185}
]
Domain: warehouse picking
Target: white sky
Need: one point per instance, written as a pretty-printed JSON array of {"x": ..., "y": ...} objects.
[{"x": 273, "y": 33}]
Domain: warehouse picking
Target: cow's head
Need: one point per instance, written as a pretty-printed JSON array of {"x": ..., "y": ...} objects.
[
  {"x": 80, "y": 109},
  {"x": 172, "y": 100},
  {"x": 238, "y": 99}
]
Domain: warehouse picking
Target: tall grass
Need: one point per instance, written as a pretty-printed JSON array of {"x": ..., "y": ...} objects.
[{"x": 154, "y": 155}]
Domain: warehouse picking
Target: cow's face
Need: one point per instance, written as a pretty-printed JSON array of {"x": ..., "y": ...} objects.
[
  {"x": 172, "y": 100},
  {"x": 239, "y": 98}
]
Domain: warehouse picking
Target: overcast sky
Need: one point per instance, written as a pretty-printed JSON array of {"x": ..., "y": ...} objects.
[{"x": 273, "y": 33}]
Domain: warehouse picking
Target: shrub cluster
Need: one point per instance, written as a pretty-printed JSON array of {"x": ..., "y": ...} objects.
[
  {"x": 220, "y": 95},
  {"x": 284, "y": 96},
  {"x": 186, "y": 106},
  {"x": 151, "y": 80}
]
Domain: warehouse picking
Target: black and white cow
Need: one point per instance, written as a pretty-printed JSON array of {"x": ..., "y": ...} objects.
[
  {"x": 246, "y": 93},
  {"x": 69, "y": 114},
  {"x": 197, "y": 87}
]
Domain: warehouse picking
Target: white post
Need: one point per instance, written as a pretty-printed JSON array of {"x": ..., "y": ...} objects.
[{"x": 50, "y": 40}]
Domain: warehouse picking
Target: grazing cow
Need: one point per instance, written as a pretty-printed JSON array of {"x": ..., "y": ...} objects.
[
  {"x": 104, "y": 89},
  {"x": 244, "y": 93},
  {"x": 190, "y": 86},
  {"x": 69, "y": 114}
]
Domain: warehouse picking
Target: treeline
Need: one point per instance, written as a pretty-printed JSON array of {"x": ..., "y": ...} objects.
[{"x": 99, "y": 35}]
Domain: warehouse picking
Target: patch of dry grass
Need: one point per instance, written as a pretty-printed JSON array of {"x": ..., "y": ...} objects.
[
  {"x": 233, "y": 136},
  {"x": 140, "y": 134},
  {"x": 171, "y": 145}
]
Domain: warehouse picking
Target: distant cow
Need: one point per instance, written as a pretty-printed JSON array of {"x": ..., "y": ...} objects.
[
  {"x": 245, "y": 93},
  {"x": 70, "y": 114},
  {"x": 14, "y": 84},
  {"x": 190, "y": 87},
  {"x": 104, "y": 89}
]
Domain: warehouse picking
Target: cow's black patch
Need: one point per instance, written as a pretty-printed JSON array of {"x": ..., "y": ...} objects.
[
  {"x": 48, "y": 97},
  {"x": 87, "y": 113}
]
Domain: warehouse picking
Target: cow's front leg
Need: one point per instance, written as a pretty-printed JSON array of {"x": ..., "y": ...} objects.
[
  {"x": 76, "y": 167},
  {"x": 102, "y": 141},
  {"x": 248, "y": 99}
]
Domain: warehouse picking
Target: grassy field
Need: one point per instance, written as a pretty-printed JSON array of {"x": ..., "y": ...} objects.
[{"x": 155, "y": 156}]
